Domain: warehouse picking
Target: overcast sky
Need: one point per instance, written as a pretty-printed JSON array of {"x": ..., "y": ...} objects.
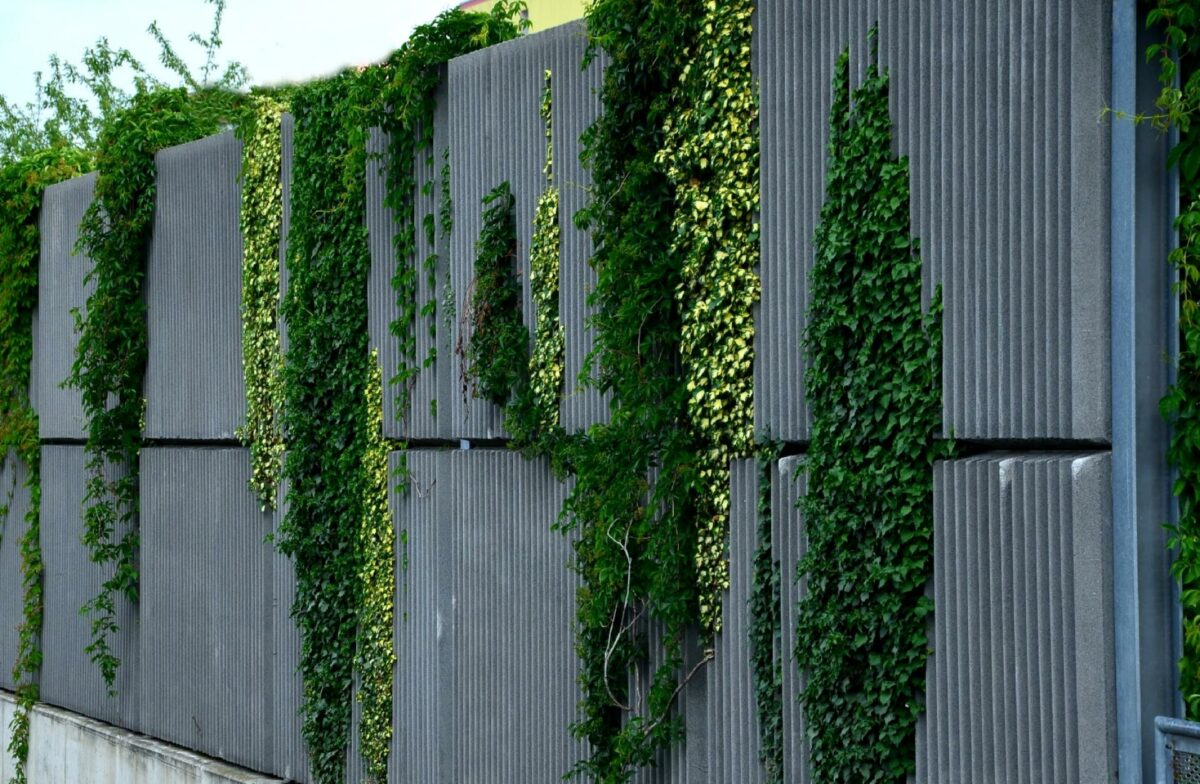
[{"x": 277, "y": 40}]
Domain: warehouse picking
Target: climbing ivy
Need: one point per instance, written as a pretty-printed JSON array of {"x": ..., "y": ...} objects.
[
  {"x": 21, "y": 186},
  {"x": 711, "y": 157},
  {"x": 495, "y": 355},
  {"x": 1176, "y": 55},
  {"x": 873, "y": 387},
  {"x": 376, "y": 654},
  {"x": 533, "y": 414},
  {"x": 111, "y": 355},
  {"x": 262, "y": 360},
  {"x": 766, "y": 626},
  {"x": 325, "y": 384},
  {"x": 405, "y": 91}
]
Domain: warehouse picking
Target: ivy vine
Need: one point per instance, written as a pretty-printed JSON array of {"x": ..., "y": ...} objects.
[
  {"x": 711, "y": 157},
  {"x": 262, "y": 360},
  {"x": 874, "y": 389},
  {"x": 405, "y": 87},
  {"x": 766, "y": 626},
  {"x": 495, "y": 355},
  {"x": 22, "y": 183},
  {"x": 111, "y": 356},
  {"x": 325, "y": 382},
  {"x": 376, "y": 655},
  {"x": 1176, "y": 55}
]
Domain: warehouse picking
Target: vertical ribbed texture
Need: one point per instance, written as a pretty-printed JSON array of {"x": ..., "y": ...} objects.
[
  {"x": 996, "y": 109},
  {"x": 381, "y": 297},
  {"x": 206, "y": 601},
  {"x": 513, "y": 602},
  {"x": 60, "y": 289},
  {"x": 69, "y": 679},
  {"x": 194, "y": 385},
  {"x": 576, "y": 95},
  {"x": 788, "y": 537},
  {"x": 1020, "y": 681},
  {"x": 15, "y": 496},
  {"x": 291, "y": 758},
  {"x": 496, "y": 135}
]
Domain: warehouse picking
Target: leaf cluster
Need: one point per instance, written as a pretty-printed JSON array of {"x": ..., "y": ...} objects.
[
  {"x": 874, "y": 390},
  {"x": 766, "y": 625},
  {"x": 496, "y": 355}
]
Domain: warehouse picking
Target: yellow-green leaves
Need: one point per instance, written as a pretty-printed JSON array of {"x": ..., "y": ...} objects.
[{"x": 262, "y": 362}]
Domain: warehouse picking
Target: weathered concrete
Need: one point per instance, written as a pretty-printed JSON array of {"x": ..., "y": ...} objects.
[{"x": 66, "y": 748}]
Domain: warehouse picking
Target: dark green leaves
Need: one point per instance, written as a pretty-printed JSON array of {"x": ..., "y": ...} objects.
[{"x": 873, "y": 386}]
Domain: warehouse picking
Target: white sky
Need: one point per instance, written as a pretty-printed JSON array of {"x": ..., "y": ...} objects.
[{"x": 277, "y": 40}]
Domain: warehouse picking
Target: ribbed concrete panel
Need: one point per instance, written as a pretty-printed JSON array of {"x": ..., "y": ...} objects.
[
  {"x": 291, "y": 757},
  {"x": 516, "y": 668},
  {"x": 422, "y": 714},
  {"x": 1012, "y": 219},
  {"x": 788, "y": 538},
  {"x": 194, "y": 386},
  {"x": 69, "y": 679},
  {"x": 14, "y": 504},
  {"x": 206, "y": 604},
  {"x": 1020, "y": 685},
  {"x": 432, "y": 388},
  {"x": 60, "y": 288},
  {"x": 576, "y": 105},
  {"x": 496, "y": 135},
  {"x": 733, "y": 729}
]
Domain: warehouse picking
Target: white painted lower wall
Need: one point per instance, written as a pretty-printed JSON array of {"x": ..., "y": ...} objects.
[{"x": 66, "y": 748}]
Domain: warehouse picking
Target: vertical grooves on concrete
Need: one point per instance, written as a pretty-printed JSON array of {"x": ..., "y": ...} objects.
[
  {"x": 1021, "y": 563},
  {"x": 60, "y": 288},
  {"x": 206, "y": 587},
  {"x": 291, "y": 757},
  {"x": 788, "y": 536},
  {"x": 69, "y": 679},
  {"x": 194, "y": 385},
  {"x": 381, "y": 297},
  {"x": 14, "y": 503},
  {"x": 1009, "y": 214}
]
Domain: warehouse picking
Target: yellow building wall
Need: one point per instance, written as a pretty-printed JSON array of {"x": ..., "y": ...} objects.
[{"x": 543, "y": 14}]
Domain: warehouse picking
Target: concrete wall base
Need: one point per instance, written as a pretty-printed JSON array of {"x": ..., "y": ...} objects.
[{"x": 66, "y": 748}]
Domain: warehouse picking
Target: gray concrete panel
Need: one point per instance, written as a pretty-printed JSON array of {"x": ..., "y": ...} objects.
[
  {"x": 69, "y": 679},
  {"x": 1021, "y": 681},
  {"x": 60, "y": 289},
  {"x": 194, "y": 384},
  {"x": 206, "y": 605},
  {"x": 1010, "y": 217},
  {"x": 790, "y": 544}
]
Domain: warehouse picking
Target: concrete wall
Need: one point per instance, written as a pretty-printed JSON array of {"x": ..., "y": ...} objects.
[{"x": 995, "y": 107}]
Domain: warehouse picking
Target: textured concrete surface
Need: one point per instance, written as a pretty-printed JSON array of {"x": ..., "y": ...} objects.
[
  {"x": 67, "y": 747},
  {"x": 14, "y": 503}
]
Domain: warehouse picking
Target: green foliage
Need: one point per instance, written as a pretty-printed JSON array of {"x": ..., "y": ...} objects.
[
  {"x": 376, "y": 657},
  {"x": 262, "y": 360},
  {"x": 534, "y": 412},
  {"x": 1176, "y": 55},
  {"x": 111, "y": 356},
  {"x": 766, "y": 627},
  {"x": 405, "y": 87},
  {"x": 711, "y": 156},
  {"x": 21, "y": 186},
  {"x": 874, "y": 390},
  {"x": 330, "y": 460},
  {"x": 495, "y": 356}
]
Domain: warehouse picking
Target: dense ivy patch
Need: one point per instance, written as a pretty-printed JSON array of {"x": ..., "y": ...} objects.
[
  {"x": 262, "y": 360},
  {"x": 496, "y": 353},
  {"x": 874, "y": 390},
  {"x": 766, "y": 626},
  {"x": 21, "y": 186},
  {"x": 111, "y": 359}
]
